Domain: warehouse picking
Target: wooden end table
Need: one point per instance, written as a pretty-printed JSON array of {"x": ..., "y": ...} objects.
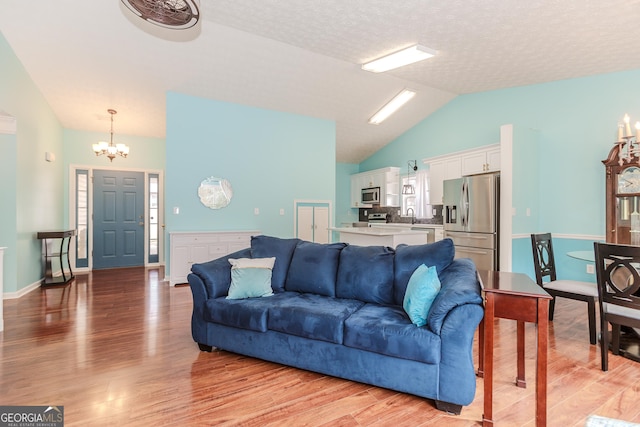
[
  {"x": 513, "y": 296},
  {"x": 65, "y": 238}
]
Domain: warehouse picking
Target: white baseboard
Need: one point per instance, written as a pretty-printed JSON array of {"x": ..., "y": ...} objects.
[{"x": 22, "y": 292}]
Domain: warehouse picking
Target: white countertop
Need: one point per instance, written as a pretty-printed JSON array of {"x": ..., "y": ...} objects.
[
  {"x": 405, "y": 225},
  {"x": 376, "y": 231}
]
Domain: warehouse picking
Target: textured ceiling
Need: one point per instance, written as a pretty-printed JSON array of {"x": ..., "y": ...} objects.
[{"x": 303, "y": 57}]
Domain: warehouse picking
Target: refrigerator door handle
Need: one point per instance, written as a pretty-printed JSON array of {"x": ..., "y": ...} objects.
[{"x": 465, "y": 204}]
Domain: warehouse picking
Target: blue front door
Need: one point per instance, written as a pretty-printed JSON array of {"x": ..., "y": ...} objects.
[{"x": 118, "y": 219}]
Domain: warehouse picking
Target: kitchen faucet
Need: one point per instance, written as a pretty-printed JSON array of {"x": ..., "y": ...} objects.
[{"x": 413, "y": 215}]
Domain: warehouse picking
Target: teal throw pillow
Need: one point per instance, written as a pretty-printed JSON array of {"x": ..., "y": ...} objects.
[
  {"x": 250, "y": 277},
  {"x": 422, "y": 290}
]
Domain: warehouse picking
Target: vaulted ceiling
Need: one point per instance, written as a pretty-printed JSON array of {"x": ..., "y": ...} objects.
[{"x": 304, "y": 57}]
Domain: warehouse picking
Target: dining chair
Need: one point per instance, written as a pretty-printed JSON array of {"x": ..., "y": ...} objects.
[
  {"x": 545, "y": 268},
  {"x": 618, "y": 284}
]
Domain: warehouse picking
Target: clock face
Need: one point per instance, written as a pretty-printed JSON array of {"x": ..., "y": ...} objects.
[{"x": 629, "y": 181}]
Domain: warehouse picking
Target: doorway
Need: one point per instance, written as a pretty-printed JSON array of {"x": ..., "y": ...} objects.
[
  {"x": 118, "y": 219},
  {"x": 117, "y": 216}
]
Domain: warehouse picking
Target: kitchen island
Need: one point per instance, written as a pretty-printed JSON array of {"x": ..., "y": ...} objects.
[{"x": 381, "y": 236}]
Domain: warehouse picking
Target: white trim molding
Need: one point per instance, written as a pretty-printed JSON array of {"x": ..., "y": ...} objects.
[{"x": 564, "y": 236}]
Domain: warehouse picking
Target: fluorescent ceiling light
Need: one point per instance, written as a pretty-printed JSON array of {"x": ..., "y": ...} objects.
[
  {"x": 392, "y": 106},
  {"x": 401, "y": 58}
]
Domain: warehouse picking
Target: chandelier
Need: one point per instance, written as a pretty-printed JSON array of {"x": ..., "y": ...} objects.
[
  {"x": 109, "y": 148},
  {"x": 628, "y": 140}
]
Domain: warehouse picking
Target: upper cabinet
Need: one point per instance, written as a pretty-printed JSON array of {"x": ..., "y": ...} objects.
[
  {"x": 388, "y": 179},
  {"x": 455, "y": 165},
  {"x": 440, "y": 170},
  {"x": 482, "y": 160}
]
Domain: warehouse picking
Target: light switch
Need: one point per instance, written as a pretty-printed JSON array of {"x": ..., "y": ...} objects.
[
  {"x": 281, "y": 211},
  {"x": 176, "y": 210},
  {"x": 256, "y": 211}
]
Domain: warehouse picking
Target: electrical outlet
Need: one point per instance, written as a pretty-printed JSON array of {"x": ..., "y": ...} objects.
[{"x": 591, "y": 269}]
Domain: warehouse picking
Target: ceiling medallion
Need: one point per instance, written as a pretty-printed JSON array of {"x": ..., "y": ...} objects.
[{"x": 172, "y": 14}]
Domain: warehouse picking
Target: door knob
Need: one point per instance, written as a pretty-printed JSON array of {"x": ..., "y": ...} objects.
[{"x": 141, "y": 223}]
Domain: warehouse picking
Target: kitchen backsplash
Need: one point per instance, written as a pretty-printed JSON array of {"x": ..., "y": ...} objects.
[{"x": 394, "y": 217}]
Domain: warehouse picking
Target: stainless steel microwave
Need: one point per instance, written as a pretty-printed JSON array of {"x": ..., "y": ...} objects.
[{"x": 370, "y": 196}]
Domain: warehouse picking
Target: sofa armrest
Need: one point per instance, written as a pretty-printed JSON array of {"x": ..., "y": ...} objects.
[
  {"x": 216, "y": 274},
  {"x": 457, "y": 373},
  {"x": 460, "y": 286},
  {"x": 199, "y": 295}
]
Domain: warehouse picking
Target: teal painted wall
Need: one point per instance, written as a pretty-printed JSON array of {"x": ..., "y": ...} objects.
[
  {"x": 570, "y": 126},
  {"x": 36, "y": 203},
  {"x": 8, "y": 212},
  {"x": 271, "y": 159},
  {"x": 145, "y": 152}
]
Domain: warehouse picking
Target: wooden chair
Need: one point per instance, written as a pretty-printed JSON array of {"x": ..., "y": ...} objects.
[
  {"x": 618, "y": 284},
  {"x": 545, "y": 267}
]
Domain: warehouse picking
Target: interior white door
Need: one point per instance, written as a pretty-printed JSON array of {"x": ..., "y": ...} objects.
[
  {"x": 305, "y": 223},
  {"x": 321, "y": 224},
  {"x": 312, "y": 223}
]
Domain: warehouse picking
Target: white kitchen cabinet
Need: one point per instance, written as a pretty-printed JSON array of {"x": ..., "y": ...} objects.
[
  {"x": 388, "y": 179},
  {"x": 483, "y": 160},
  {"x": 188, "y": 248},
  {"x": 355, "y": 191},
  {"x": 470, "y": 162},
  {"x": 440, "y": 170}
]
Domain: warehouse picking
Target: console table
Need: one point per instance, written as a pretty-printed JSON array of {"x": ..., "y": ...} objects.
[
  {"x": 65, "y": 239},
  {"x": 513, "y": 296}
]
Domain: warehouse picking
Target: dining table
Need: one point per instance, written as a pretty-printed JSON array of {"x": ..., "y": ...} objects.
[{"x": 588, "y": 256}]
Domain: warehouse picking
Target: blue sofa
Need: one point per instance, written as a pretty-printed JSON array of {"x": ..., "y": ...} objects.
[{"x": 337, "y": 309}]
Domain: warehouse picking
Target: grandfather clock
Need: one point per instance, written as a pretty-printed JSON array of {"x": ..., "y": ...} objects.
[{"x": 622, "y": 197}]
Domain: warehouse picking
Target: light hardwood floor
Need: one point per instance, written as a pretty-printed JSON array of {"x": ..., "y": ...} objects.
[{"x": 115, "y": 348}]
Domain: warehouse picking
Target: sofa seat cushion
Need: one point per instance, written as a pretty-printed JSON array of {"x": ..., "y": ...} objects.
[
  {"x": 250, "y": 313},
  {"x": 388, "y": 330},
  {"x": 312, "y": 316}
]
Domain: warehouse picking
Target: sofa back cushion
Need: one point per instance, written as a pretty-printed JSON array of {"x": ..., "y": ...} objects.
[
  {"x": 314, "y": 268},
  {"x": 408, "y": 258},
  {"x": 365, "y": 273},
  {"x": 281, "y": 249}
]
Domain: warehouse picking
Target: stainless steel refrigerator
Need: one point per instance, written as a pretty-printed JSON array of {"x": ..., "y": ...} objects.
[{"x": 472, "y": 217}]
